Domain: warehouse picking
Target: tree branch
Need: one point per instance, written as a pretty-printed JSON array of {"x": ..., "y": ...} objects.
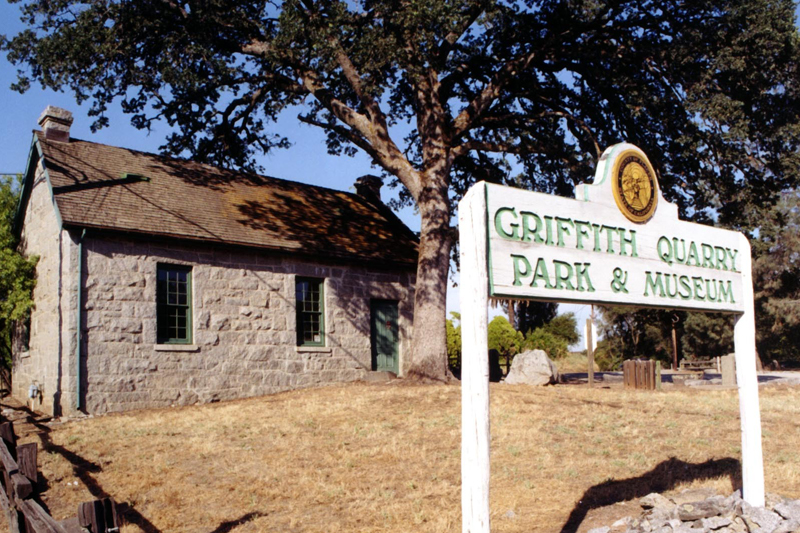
[
  {"x": 452, "y": 38},
  {"x": 373, "y": 127},
  {"x": 348, "y": 134},
  {"x": 489, "y": 146},
  {"x": 487, "y": 96}
]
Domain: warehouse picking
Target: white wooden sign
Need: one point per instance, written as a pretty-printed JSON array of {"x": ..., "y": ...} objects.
[{"x": 619, "y": 242}]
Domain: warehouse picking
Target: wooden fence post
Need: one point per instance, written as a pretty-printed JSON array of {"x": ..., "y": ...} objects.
[
  {"x": 7, "y": 434},
  {"x": 26, "y": 459},
  {"x": 658, "y": 375},
  {"x": 590, "y": 350}
]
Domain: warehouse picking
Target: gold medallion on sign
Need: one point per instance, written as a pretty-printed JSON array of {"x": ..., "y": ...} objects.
[{"x": 635, "y": 187}]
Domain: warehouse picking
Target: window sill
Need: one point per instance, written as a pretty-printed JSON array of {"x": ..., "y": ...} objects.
[
  {"x": 176, "y": 347},
  {"x": 313, "y": 349}
]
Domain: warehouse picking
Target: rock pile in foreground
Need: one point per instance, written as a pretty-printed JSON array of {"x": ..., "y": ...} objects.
[{"x": 702, "y": 511}]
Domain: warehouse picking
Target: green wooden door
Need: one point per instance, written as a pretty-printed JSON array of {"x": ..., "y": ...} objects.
[{"x": 385, "y": 336}]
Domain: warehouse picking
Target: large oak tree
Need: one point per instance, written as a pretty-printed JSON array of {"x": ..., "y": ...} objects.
[{"x": 522, "y": 91}]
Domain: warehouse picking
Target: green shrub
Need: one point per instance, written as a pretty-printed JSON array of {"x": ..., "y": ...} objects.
[
  {"x": 539, "y": 339},
  {"x": 454, "y": 342},
  {"x": 503, "y": 337}
]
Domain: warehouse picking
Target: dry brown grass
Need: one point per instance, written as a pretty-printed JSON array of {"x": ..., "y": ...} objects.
[
  {"x": 386, "y": 458},
  {"x": 574, "y": 362}
]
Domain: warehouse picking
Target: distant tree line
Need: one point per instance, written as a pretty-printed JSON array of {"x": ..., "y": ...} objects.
[
  {"x": 775, "y": 242},
  {"x": 552, "y": 333}
]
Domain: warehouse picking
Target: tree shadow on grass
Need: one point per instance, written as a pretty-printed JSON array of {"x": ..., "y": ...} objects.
[
  {"x": 665, "y": 476},
  {"x": 230, "y": 525}
]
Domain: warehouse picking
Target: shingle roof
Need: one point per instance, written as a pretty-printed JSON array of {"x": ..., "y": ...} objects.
[{"x": 95, "y": 186}]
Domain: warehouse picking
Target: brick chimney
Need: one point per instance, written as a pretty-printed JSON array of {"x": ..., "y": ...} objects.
[
  {"x": 369, "y": 187},
  {"x": 55, "y": 123}
]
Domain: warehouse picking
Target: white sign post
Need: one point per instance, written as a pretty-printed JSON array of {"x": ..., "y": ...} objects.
[{"x": 619, "y": 242}]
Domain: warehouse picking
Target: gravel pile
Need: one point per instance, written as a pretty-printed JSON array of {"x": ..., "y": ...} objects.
[{"x": 702, "y": 511}]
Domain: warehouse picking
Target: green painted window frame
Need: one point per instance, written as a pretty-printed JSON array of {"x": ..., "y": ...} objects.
[
  {"x": 173, "y": 304},
  {"x": 310, "y": 306}
]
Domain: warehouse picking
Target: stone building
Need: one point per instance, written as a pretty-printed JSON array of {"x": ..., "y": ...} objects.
[{"x": 167, "y": 282}]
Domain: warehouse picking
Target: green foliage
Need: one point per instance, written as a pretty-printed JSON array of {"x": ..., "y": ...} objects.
[
  {"x": 564, "y": 327},
  {"x": 541, "y": 339},
  {"x": 647, "y": 333},
  {"x": 454, "y": 341},
  {"x": 707, "y": 335},
  {"x": 503, "y": 337},
  {"x": 554, "y": 336},
  {"x": 776, "y": 272},
  {"x": 606, "y": 356},
  {"x": 631, "y": 333},
  {"x": 16, "y": 272},
  {"x": 531, "y": 315}
]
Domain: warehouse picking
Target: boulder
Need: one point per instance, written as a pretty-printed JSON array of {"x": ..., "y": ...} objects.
[
  {"x": 532, "y": 368},
  {"x": 760, "y": 518},
  {"x": 693, "y": 495},
  {"x": 655, "y": 500},
  {"x": 790, "y": 526},
  {"x": 697, "y": 510},
  {"x": 790, "y": 510},
  {"x": 715, "y": 522}
]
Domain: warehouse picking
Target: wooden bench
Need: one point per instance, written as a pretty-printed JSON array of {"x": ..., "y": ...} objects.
[{"x": 698, "y": 364}]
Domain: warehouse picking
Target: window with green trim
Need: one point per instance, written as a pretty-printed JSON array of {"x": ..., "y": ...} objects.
[
  {"x": 174, "y": 304},
  {"x": 310, "y": 312}
]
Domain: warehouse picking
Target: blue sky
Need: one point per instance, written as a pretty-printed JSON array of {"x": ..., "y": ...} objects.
[{"x": 307, "y": 161}]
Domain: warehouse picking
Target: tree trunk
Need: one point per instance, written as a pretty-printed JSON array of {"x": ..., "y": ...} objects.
[{"x": 429, "y": 340}]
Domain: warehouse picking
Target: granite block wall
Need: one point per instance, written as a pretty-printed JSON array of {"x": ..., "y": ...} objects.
[
  {"x": 243, "y": 324},
  {"x": 47, "y": 361}
]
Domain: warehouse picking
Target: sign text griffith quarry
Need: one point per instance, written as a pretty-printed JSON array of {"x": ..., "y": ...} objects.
[
  {"x": 618, "y": 242},
  {"x": 615, "y": 245}
]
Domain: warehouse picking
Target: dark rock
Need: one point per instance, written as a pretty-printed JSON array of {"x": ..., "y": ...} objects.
[
  {"x": 789, "y": 526},
  {"x": 661, "y": 517},
  {"x": 789, "y": 509},
  {"x": 702, "y": 511},
  {"x": 655, "y": 501},
  {"x": 716, "y": 522},
  {"x": 697, "y": 510},
  {"x": 759, "y": 518},
  {"x": 771, "y": 500},
  {"x": 622, "y": 524},
  {"x": 495, "y": 371},
  {"x": 693, "y": 495}
]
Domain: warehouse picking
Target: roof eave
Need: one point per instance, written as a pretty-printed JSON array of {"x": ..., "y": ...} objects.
[
  {"x": 35, "y": 154},
  {"x": 409, "y": 264}
]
